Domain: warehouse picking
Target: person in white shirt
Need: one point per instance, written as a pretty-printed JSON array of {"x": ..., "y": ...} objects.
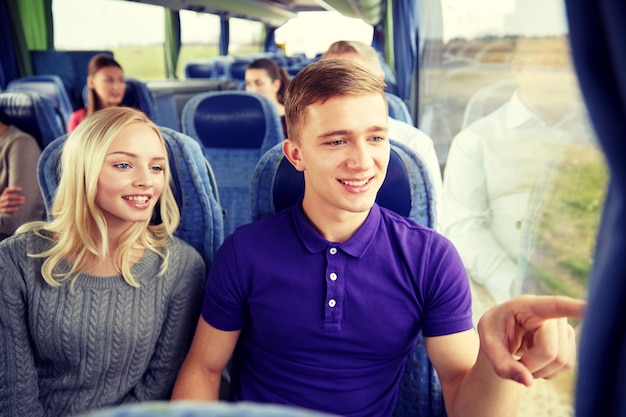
[{"x": 499, "y": 167}]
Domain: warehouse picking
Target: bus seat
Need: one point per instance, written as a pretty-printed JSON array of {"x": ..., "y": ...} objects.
[
  {"x": 398, "y": 109},
  {"x": 49, "y": 86},
  {"x": 71, "y": 66},
  {"x": 199, "y": 409},
  {"x": 407, "y": 190},
  {"x": 487, "y": 100},
  {"x": 222, "y": 66},
  {"x": 31, "y": 113},
  {"x": 138, "y": 96},
  {"x": 238, "y": 72},
  {"x": 200, "y": 69},
  {"x": 195, "y": 189},
  {"x": 234, "y": 129}
]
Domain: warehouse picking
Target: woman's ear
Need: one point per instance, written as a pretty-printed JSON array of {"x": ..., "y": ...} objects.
[
  {"x": 293, "y": 154},
  {"x": 276, "y": 85}
]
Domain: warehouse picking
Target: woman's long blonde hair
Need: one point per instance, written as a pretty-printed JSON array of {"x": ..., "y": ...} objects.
[{"x": 77, "y": 227}]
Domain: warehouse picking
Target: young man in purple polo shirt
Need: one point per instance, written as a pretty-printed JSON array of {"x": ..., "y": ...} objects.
[{"x": 319, "y": 305}]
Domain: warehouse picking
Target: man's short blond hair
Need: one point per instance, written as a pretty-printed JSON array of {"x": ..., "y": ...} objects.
[
  {"x": 366, "y": 52},
  {"x": 323, "y": 80}
]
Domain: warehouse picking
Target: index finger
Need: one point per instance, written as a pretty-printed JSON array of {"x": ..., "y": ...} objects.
[
  {"x": 553, "y": 306},
  {"x": 13, "y": 189}
]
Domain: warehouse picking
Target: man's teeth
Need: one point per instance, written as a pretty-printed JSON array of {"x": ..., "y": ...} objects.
[
  {"x": 136, "y": 198},
  {"x": 355, "y": 183}
]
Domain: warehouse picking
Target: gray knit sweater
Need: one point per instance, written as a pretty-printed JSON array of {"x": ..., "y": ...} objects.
[{"x": 105, "y": 343}]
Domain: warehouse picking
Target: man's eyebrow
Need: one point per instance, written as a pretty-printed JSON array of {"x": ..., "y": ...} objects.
[{"x": 340, "y": 132}]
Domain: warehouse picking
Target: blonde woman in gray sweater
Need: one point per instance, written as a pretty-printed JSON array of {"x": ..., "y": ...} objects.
[{"x": 98, "y": 306}]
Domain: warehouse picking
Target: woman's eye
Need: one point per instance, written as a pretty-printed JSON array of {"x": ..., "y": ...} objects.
[
  {"x": 122, "y": 165},
  {"x": 157, "y": 168}
]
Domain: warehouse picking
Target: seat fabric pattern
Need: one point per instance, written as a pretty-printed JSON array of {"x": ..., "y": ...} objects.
[
  {"x": 32, "y": 113},
  {"x": 234, "y": 129},
  {"x": 398, "y": 109},
  {"x": 49, "y": 86}
]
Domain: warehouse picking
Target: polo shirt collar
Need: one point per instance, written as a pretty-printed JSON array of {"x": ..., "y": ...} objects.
[{"x": 355, "y": 246}]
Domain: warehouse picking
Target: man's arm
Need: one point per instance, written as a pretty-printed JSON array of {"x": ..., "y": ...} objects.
[
  {"x": 522, "y": 339},
  {"x": 199, "y": 377}
]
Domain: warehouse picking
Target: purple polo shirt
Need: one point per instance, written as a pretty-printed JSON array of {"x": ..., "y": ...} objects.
[{"x": 329, "y": 326}]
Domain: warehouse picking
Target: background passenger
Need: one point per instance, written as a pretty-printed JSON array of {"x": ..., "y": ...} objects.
[
  {"x": 336, "y": 335},
  {"x": 98, "y": 305},
  {"x": 266, "y": 77},
  {"x": 20, "y": 198},
  {"x": 105, "y": 88},
  {"x": 500, "y": 168}
]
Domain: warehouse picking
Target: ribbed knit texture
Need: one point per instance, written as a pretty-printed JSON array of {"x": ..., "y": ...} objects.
[{"x": 105, "y": 343}]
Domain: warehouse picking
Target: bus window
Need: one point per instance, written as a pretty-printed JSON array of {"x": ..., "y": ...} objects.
[
  {"x": 107, "y": 25},
  {"x": 246, "y": 37},
  {"x": 524, "y": 177},
  {"x": 200, "y": 37},
  {"x": 311, "y": 33}
]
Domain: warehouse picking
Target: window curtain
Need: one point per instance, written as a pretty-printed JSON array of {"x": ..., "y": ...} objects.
[
  {"x": 172, "y": 42},
  {"x": 598, "y": 36},
  {"x": 14, "y": 62},
  {"x": 405, "y": 43},
  {"x": 36, "y": 17},
  {"x": 224, "y": 35},
  {"x": 270, "y": 39}
]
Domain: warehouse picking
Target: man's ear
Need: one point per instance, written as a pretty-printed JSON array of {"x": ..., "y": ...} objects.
[{"x": 292, "y": 153}]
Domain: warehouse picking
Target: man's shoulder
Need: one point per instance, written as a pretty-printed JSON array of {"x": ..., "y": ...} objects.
[
  {"x": 403, "y": 223},
  {"x": 412, "y": 228},
  {"x": 399, "y": 130},
  {"x": 14, "y": 136}
]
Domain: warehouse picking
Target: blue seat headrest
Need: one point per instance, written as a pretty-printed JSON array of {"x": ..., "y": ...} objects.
[
  {"x": 200, "y": 69},
  {"x": 33, "y": 114},
  {"x": 238, "y": 69},
  {"x": 230, "y": 121}
]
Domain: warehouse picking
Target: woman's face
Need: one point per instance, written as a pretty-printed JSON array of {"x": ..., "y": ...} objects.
[
  {"x": 109, "y": 85},
  {"x": 132, "y": 177},
  {"x": 258, "y": 81}
]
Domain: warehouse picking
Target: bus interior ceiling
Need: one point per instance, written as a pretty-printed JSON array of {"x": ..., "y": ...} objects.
[{"x": 277, "y": 12}]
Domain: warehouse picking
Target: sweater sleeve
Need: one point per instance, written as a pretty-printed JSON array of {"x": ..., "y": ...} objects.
[
  {"x": 181, "y": 318},
  {"x": 22, "y": 157},
  {"x": 19, "y": 390}
]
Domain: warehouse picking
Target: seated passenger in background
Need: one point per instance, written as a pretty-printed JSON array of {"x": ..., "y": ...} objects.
[
  {"x": 98, "y": 305},
  {"x": 321, "y": 303},
  {"x": 20, "y": 197},
  {"x": 500, "y": 176},
  {"x": 402, "y": 132},
  {"x": 266, "y": 77},
  {"x": 106, "y": 88}
]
